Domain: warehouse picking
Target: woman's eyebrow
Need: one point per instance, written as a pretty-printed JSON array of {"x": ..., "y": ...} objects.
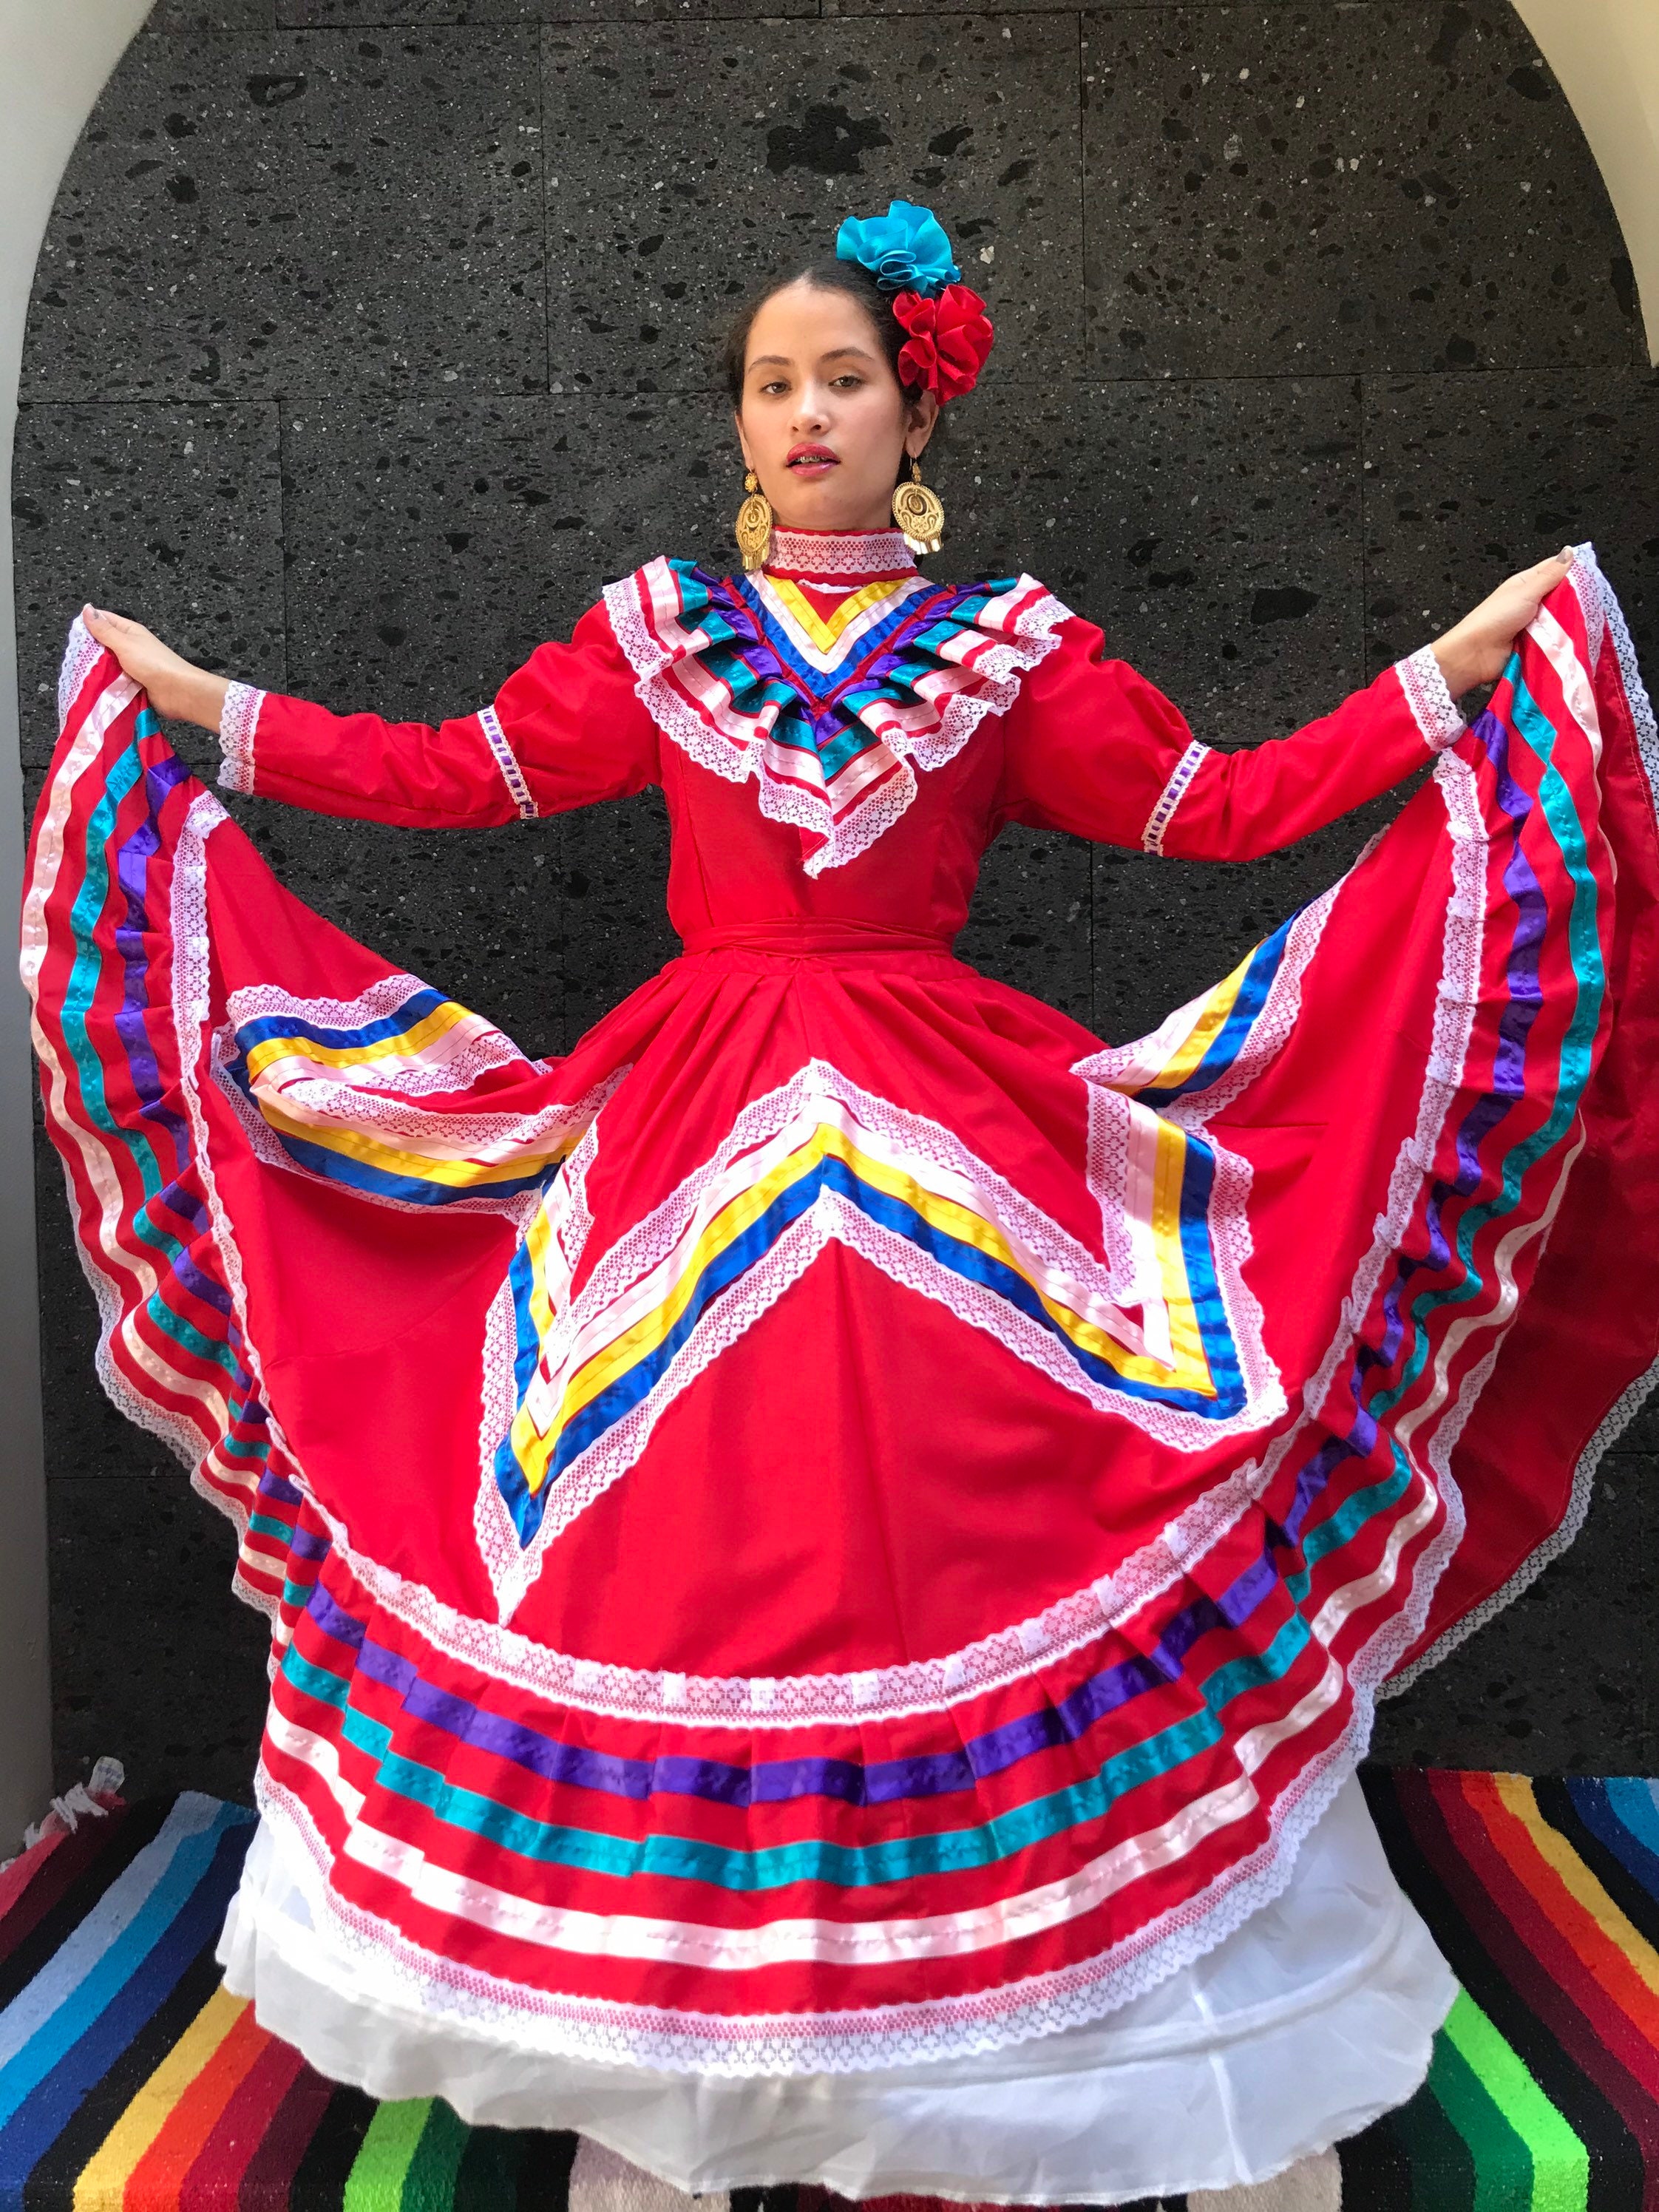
[{"x": 771, "y": 360}]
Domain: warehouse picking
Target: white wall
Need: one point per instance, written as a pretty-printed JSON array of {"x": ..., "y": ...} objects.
[
  {"x": 1606, "y": 55},
  {"x": 53, "y": 60}
]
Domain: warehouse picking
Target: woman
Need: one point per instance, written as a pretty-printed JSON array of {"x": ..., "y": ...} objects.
[{"x": 830, "y": 1552}]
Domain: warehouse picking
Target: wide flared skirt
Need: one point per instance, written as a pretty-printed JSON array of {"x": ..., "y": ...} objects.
[{"x": 845, "y": 1524}]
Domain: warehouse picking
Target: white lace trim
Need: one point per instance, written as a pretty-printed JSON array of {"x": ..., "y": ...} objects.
[
  {"x": 853, "y": 553},
  {"x": 1455, "y": 1003},
  {"x": 1152, "y": 837},
  {"x": 1613, "y": 1424},
  {"x": 473, "y": 1049},
  {"x": 508, "y": 761},
  {"x": 994, "y": 685},
  {"x": 238, "y": 721},
  {"x": 1603, "y": 617},
  {"x": 916, "y": 1687},
  {"x": 1427, "y": 694},
  {"x": 380, "y": 1096},
  {"x": 1586, "y": 578},
  {"x": 80, "y": 653},
  {"x": 1271, "y": 1031}
]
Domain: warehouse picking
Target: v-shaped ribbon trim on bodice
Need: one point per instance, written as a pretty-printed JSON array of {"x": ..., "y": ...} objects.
[{"x": 830, "y": 675}]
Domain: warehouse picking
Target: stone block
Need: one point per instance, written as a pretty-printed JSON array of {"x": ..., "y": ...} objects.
[
  {"x": 247, "y": 215},
  {"x": 171, "y": 515},
  {"x": 346, "y": 14},
  {"x": 189, "y": 18},
  {"x": 1031, "y": 921},
  {"x": 1467, "y": 482},
  {"x": 686, "y": 167},
  {"x": 153, "y": 1659},
  {"x": 1561, "y": 1681},
  {"x": 435, "y": 545},
  {"x": 1386, "y": 187},
  {"x": 1212, "y": 529}
]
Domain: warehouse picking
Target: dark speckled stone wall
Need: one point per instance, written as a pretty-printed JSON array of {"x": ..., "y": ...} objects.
[{"x": 369, "y": 336}]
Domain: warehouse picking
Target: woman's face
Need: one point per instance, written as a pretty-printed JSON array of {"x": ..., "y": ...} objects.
[{"x": 823, "y": 420}]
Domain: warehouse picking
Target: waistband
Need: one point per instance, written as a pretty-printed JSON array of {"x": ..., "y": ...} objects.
[{"x": 809, "y": 937}]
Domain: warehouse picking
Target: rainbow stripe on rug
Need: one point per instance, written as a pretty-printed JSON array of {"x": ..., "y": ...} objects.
[{"x": 129, "y": 2082}]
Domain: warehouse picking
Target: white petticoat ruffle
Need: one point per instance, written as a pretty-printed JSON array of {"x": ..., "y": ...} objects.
[{"x": 1303, "y": 2026}]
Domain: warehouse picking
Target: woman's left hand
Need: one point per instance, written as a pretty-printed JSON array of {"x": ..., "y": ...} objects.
[{"x": 1476, "y": 650}]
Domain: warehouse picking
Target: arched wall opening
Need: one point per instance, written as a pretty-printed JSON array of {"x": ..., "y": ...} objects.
[{"x": 360, "y": 350}]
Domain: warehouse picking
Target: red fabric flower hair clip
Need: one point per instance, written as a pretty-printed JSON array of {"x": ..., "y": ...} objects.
[{"x": 949, "y": 338}]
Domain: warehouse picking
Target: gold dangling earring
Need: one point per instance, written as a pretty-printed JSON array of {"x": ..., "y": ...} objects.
[
  {"x": 919, "y": 512},
  {"x": 753, "y": 524}
]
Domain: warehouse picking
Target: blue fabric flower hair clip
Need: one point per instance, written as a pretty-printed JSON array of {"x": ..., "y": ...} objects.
[{"x": 905, "y": 250}]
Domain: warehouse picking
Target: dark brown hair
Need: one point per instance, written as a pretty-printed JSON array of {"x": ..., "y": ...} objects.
[{"x": 847, "y": 277}]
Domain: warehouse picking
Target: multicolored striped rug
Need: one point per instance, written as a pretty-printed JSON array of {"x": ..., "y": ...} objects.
[{"x": 130, "y": 2082}]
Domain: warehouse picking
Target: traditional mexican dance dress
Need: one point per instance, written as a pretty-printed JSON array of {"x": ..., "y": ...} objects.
[{"x": 830, "y": 1552}]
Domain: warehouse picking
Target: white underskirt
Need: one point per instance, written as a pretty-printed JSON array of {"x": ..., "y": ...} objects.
[{"x": 1303, "y": 2026}]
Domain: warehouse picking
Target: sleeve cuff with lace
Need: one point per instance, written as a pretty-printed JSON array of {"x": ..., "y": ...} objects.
[
  {"x": 1152, "y": 837},
  {"x": 1433, "y": 709},
  {"x": 238, "y": 719}
]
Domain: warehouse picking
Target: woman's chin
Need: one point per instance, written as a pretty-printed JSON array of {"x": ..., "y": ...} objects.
[{"x": 824, "y": 506}]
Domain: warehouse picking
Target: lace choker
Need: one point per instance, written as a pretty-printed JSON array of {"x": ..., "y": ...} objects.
[{"x": 839, "y": 553}]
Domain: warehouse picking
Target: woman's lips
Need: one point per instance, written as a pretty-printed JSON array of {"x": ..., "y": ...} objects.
[{"x": 814, "y": 461}]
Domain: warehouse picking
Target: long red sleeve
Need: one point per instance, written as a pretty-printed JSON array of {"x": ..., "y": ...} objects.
[
  {"x": 566, "y": 729},
  {"x": 1091, "y": 747}
]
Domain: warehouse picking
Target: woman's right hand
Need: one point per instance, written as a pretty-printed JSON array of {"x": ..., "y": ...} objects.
[{"x": 178, "y": 691}]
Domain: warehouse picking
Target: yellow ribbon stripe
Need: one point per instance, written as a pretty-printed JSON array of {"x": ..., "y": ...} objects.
[
  {"x": 1218, "y": 1007},
  {"x": 408, "y": 1045},
  {"x": 539, "y": 1239},
  {"x": 532, "y": 1447},
  {"x": 826, "y": 634},
  {"x": 454, "y": 1174}
]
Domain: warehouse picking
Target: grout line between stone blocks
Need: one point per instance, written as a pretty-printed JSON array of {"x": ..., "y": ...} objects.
[
  {"x": 1082, "y": 319},
  {"x": 1364, "y": 384},
  {"x": 281, "y": 536},
  {"x": 547, "y": 212}
]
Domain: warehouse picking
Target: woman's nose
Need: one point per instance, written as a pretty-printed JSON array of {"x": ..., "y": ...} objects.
[{"x": 811, "y": 414}]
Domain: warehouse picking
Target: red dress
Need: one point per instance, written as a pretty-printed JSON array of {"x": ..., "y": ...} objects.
[{"x": 846, "y": 1520}]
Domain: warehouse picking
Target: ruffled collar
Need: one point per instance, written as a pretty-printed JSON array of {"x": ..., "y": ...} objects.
[
  {"x": 832, "y": 688},
  {"x": 835, "y": 556}
]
